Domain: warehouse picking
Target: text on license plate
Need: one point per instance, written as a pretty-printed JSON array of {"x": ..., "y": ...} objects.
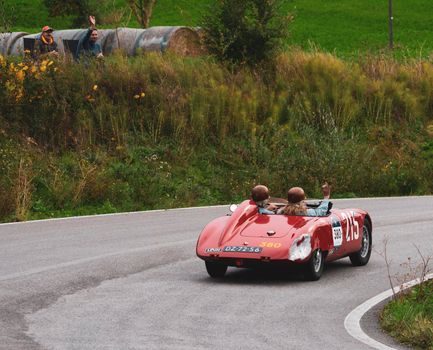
[{"x": 241, "y": 249}]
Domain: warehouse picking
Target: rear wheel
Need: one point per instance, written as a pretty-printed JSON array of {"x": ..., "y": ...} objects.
[
  {"x": 362, "y": 256},
  {"x": 314, "y": 267},
  {"x": 215, "y": 269}
]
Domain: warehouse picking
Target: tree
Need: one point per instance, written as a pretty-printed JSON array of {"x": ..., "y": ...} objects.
[
  {"x": 245, "y": 31},
  {"x": 79, "y": 9},
  {"x": 142, "y": 10}
]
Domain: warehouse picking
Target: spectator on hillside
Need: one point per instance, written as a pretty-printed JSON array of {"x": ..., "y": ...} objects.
[
  {"x": 88, "y": 45},
  {"x": 45, "y": 44}
]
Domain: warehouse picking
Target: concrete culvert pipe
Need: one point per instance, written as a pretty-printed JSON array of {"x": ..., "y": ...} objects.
[
  {"x": 9, "y": 40},
  {"x": 104, "y": 37},
  {"x": 124, "y": 39},
  {"x": 183, "y": 41}
]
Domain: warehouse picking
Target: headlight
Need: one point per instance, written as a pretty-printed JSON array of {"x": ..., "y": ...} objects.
[{"x": 301, "y": 248}]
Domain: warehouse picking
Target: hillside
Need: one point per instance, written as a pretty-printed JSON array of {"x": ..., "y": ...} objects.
[{"x": 345, "y": 27}]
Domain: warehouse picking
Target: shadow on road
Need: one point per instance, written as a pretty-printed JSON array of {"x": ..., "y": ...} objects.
[{"x": 277, "y": 275}]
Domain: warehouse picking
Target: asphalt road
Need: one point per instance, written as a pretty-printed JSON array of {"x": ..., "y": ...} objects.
[{"x": 132, "y": 281}]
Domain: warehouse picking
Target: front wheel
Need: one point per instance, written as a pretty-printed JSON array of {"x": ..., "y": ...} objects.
[
  {"x": 362, "y": 256},
  {"x": 215, "y": 269},
  {"x": 314, "y": 267}
]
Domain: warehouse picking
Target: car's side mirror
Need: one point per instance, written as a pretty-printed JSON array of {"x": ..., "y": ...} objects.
[{"x": 233, "y": 207}]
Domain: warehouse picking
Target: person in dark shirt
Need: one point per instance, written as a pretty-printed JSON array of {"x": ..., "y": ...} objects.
[
  {"x": 88, "y": 45},
  {"x": 45, "y": 44}
]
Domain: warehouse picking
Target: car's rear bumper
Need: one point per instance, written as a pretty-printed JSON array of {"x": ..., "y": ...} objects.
[{"x": 249, "y": 262}]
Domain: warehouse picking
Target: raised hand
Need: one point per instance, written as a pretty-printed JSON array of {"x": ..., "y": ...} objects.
[
  {"x": 326, "y": 190},
  {"x": 92, "y": 21}
]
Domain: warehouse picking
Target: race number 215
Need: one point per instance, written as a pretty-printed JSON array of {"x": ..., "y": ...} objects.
[{"x": 352, "y": 226}]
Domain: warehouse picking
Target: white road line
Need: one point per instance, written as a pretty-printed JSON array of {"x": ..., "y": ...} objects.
[
  {"x": 191, "y": 208},
  {"x": 113, "y": 214},
  {"x": 352, "y": 321},
  {"x": 86, "y": 260}
]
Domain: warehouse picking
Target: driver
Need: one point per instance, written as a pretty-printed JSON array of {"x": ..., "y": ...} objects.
[
  {"x": 260, "y": 195},
  {"x": 297, "y": 205}
]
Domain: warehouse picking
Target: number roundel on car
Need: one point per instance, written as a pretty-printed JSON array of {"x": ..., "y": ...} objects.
[{"x": 337, "y": 231}]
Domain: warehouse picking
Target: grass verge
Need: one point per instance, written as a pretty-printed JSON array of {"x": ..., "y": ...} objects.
[
  {"x": 409, "y": 317},
  {"x": 159, "y": 131}
]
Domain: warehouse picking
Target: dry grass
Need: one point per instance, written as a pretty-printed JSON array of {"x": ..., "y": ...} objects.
[{"x": 23, "y": 189}]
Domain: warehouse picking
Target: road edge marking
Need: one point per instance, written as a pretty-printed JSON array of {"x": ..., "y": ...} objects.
[
  {"x": 112, "y": 214},
  {"x": 180, "y": 209},
  {"x": 352, "y": 322}
]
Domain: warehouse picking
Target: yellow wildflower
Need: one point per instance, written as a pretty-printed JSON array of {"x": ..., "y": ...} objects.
[
  {"x": 142, "y": 94},
  {"x": 25, "y": 68},
  {"x": 21, "y": 75},
  {"x": 33, "y": 69},
  {"x": 136, "y": 97},
  {"x": 19, "y": 95},
  {"x": 50, "y": 63},
  {"x": 43, "y": 68},
  {"x": 95, "y": 87}
]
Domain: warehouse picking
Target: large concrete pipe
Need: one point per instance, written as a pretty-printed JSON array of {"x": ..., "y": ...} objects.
[
  {"x": 124, "y": 39},
  {"x": 15, "y": 43},
  {"x": 180, "y": 40},
  {"x": 77, "y": 34},
  {"x": 9, "y": 40}
]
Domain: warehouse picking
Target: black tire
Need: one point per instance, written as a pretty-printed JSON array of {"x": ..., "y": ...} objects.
[
  {"x": 215, "y": 269},
  {"x": 314, "y": 267},
  {"x": 362, "y": 256}
]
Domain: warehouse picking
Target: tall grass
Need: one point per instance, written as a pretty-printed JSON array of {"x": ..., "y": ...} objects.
[
  {"x": 200, "y": 101},
  {"x": 162, "y": 131}
]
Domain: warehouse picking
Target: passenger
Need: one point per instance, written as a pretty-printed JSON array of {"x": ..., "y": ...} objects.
[
  {"x": 297, "y": 205},
  {"x": 260, "y": 195},
  {"x": 45, "y": 44},
  {"x": 88, "y": 45}
]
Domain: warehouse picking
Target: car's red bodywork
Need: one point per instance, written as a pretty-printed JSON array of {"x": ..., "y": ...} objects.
[{"x": 337, "y": 235}]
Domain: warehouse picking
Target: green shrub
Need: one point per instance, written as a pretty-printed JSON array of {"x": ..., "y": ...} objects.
[
  {"x": 245, "y": 31},
  {"x": 409, "y": 318}
]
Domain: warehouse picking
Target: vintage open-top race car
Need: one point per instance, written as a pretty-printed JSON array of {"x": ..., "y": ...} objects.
[{"x": 249, "y": 239}]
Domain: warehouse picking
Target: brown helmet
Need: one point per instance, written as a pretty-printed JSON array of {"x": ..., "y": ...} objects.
[
  {"x": 295, "y": 195},
  {"x": 259, "y": 193}
]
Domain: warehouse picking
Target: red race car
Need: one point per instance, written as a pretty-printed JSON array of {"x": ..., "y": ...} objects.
[{"x": 249, "y": 239}]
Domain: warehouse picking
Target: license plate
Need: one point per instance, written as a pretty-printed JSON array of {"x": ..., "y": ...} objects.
[{"x": 242, "y": 249}]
